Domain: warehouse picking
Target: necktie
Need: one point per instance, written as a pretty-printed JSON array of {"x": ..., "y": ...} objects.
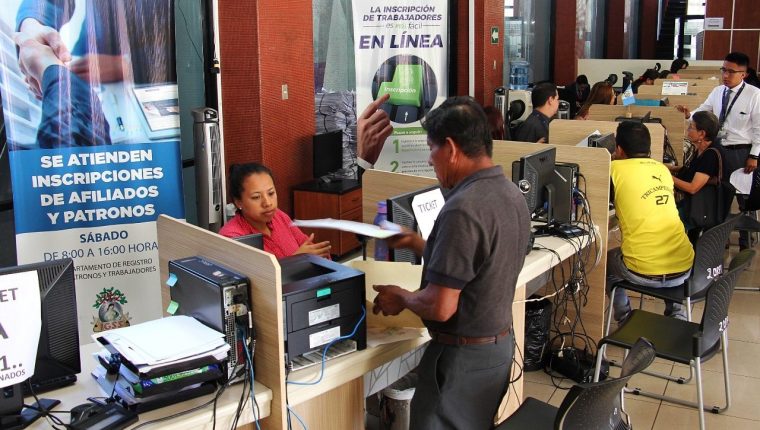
[{"x": 724, "y": 107}]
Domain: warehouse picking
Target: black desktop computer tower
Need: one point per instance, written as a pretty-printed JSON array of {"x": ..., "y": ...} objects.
[{"x": 217, "y": 297}]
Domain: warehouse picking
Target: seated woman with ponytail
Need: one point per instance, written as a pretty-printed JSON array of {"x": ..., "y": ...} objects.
[{"x": 254, "y": 195}]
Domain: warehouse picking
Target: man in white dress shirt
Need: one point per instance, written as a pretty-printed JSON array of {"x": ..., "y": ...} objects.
[{"x": 737, "y": 106}]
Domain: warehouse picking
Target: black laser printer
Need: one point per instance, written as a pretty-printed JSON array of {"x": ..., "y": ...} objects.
[{"x": 322, "y": 300}]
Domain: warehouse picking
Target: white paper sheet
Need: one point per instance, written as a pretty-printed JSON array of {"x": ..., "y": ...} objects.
[
  {"x": 20, "y": 324},
  {"x": 369, "y": 230},
  {"x": 163, "y": 340},
  {"x": 741, "y": 181},
  {"x": 426, "y": 207}
]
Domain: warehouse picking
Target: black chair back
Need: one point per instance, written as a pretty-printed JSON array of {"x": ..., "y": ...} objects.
[
  {"x": 717, "y": 301},
  {"x": 640, "y": 356},
  {"x": 596, "y": 405},
  {"x": 708, "y": 258}
]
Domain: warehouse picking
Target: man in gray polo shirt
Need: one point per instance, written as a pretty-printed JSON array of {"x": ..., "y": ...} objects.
[{"x": 471, "y": 262}]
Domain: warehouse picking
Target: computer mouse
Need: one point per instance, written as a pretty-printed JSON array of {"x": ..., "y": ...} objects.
[{"x": 84, "y": 411}]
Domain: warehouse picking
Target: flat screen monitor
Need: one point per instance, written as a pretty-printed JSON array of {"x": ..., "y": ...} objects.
[
  {"x": 255, "y": 240},
  {"x": 536, "y": 172},
  {"x": 400, "y": 212},
  {"x": 606, "y": 141},
  {"x": 328, "y": 153},
  {"x": 57, "y": 360}
]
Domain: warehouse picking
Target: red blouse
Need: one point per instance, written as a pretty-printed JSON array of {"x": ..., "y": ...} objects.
[{"x": 285, "y": 238}]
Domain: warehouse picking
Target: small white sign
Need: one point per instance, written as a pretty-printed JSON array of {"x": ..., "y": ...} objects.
[
  {"x": 426, "y": 207},
  {"x": 714, "y": 23},
  {"x": 674, "y": 88},
  {"x": 324, "y": 314},
  {"x": 20, "y": 324},
  {"x": 323, "y": 337}
]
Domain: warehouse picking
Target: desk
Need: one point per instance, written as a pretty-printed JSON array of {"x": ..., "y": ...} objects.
[{"x": 225, "y": 410}]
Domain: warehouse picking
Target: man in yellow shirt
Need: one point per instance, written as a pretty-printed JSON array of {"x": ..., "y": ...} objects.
[{"x": 655, "y": 250}]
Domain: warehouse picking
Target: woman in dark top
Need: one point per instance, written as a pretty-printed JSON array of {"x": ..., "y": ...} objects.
[{"x": 704, "y": 164}]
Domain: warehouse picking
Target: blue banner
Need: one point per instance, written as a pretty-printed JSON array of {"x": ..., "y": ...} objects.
[{"x": 96, "y": 186}]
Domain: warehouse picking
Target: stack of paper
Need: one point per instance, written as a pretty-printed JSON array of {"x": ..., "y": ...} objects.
[
  {"x": 159, "y": 359},
  {"x": 165, "y": 342}
]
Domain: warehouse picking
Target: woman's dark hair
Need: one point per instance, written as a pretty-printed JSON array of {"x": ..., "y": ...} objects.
[
  {"x": 678, "y": 64},
  {"x": 601, "y": 93},
  {"x": 706, "y": 121},
  {"x": 239, "y": 172}
]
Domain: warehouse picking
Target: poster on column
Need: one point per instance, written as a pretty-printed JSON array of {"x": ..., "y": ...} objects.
[
  {"x": 401, "y": 49},
  {"x": 90, "y": 102}
]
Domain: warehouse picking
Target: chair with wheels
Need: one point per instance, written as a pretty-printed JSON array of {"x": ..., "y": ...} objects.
[
  {"x": 686, "y": 342},
  {"x": 595, "y": 405}
]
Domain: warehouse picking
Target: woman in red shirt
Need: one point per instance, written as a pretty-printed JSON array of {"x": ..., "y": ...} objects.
[{"x": 254, "y": 195}]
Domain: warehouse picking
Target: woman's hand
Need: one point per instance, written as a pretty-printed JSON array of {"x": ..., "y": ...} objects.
[{"x": 321, "y": 249}]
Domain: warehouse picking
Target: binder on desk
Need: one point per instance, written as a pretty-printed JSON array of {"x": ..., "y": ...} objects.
[{"x": 160, "y": 370}]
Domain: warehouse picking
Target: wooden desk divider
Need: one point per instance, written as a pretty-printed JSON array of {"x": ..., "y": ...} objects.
[
  {"x": 594, "y": 164},
  {"x": 672, "y": 120},
  {"x": 564, "y": 132},
  {"x": 178, "y": 239}
]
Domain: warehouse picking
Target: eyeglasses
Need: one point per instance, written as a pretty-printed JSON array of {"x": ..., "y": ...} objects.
[{"x": 730, "y": 71}]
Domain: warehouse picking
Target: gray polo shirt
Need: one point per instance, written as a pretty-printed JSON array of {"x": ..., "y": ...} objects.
[{"x": 477, "y": 245}]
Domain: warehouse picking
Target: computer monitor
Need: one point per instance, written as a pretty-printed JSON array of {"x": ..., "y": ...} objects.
[
  {"x": 606, "y": 141},
  {"x": 328, "y": 154},
  {"x": 255, "y": 240},
  {"x": 535, "y": 181},
  {"x": 400, "y": 212},
  {"x": 57, "y": 360},
  {"x": 646, "y": 118}
]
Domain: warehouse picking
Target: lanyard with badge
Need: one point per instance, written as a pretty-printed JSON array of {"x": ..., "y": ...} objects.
[{"x": 722, "y": 133}]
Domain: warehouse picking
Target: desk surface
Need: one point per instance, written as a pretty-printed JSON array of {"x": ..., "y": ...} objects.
[
  {"x": 337, "y": 372},
  {"x": 201, "y": 419}
]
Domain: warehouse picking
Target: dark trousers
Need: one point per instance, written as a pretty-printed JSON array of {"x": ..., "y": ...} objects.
[
  {"x": 461, "y": 387},
  {"x": 737, "y": 159}
]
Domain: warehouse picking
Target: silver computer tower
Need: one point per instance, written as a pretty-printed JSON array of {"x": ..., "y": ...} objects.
[{"x": 208, "y": 168}]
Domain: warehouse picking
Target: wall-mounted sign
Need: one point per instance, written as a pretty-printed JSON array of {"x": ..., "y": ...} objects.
[{"x": 714, "y": 23}]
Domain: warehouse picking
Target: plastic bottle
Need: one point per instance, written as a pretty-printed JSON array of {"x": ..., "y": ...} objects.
[{"x": 381, "y": 247}]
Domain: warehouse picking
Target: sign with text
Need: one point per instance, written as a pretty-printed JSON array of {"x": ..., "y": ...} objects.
[
  {"x": 401, "y": 49},
  {"x": 715, "y": 23},
  {"x": 674, "y": 88},
  {"x": 20, "y": 325},
  {"x": 426, "y": 207}
]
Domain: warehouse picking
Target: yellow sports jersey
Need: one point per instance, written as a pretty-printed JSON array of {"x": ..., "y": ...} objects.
[{"x": 654, "y": 240}]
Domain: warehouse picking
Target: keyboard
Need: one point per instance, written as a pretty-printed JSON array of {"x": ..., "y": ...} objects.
[{"x": 314, "y": 357}]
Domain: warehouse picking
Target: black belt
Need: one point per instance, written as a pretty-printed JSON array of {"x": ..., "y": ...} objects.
[
  {"x": 665, "y": 277},
  {"x": 737, "y": 147},
  {"x": 452, "y": 339}
]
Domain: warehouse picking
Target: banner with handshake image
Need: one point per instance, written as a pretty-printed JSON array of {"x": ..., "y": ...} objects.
[{"x": 91, "y": 109}]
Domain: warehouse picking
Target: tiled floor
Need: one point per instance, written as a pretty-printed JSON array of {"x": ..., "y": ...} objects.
[{"x": 744, "y": 354}]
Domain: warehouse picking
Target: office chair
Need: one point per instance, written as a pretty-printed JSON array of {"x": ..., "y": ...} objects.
[
  {"x": 587, "y": 406},
  {"x": 686, "y": 342},
  {"x": 708, "y": 262},
  {"x": 750, "y": 224}
]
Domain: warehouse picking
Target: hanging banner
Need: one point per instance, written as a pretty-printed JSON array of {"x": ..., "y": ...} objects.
[
  {"x": 89, "y": 93},
  {"x": 401, "y": 49}
]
